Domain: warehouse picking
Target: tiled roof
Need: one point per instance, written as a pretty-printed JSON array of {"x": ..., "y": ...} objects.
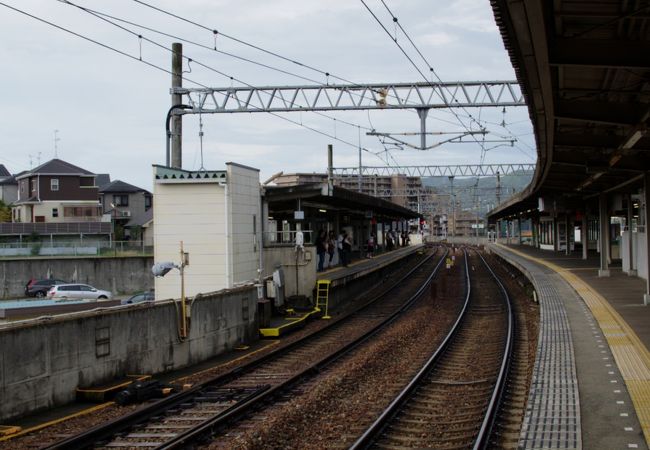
[
  {"x": 3, "y": 171},
  {"x": 120, "y": 186},
  {"x": 4, "y": 181},
  {"x": 58, "y": 167},
  {"x": 148, "y": 216},
  {"x": 102, "y": 179}
]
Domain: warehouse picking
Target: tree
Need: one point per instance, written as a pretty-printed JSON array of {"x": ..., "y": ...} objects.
[{"x": 5, "y": 212}]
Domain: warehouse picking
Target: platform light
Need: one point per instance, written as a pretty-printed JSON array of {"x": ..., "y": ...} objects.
[
  {"x": 161, "y": 269},
  {"x": 633, "y": 139},
  {"x": 322, "y": 210}
]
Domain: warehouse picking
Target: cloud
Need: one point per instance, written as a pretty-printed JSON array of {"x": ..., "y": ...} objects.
[
  {"x": 110, "y": 110},
  {"x": 436, "y": 39}
]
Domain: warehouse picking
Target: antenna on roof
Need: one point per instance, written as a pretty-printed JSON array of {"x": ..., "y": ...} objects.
[{"x": 56, "y": 143}]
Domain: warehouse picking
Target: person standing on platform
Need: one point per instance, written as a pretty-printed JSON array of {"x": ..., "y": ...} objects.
[
  {"x": 321, "y": 249},
  {"x": 331, "y": 248},
  {"x": 371, "y": 245},
  {"x": 347, "y": 249}
]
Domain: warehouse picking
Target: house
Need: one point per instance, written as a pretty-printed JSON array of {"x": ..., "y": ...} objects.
[
  {"x": 8, "y": 186},
  {"x": 55, "y": 192},
  {"x": 129, "y": 206}
]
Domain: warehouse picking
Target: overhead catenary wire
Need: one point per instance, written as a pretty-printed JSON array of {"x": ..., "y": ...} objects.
[
  {"x": 431, "y": 69},
  {"x": 192, "y": 42},
  {"x": 327, "y": 74},
  {"x": 169, "y": 72},
  {"x": 100, "y": 16},
  {"x": 104, "y": 17}
]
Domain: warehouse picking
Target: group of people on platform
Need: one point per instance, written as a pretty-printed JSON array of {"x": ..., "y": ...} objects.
[
  {"x": 393, "y": 239},
  {"x": 328, "y": 245}
]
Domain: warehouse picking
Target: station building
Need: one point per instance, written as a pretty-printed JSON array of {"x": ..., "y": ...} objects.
[
  {"x": 236, "y": 231},
  {"x": 586, "y": 88}
]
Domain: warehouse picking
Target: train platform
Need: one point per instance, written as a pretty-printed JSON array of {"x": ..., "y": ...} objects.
[
  {"x": 359, "y": 268},
  {"x": 335, "y": 277},
  {"x": 591, "y": 380}
]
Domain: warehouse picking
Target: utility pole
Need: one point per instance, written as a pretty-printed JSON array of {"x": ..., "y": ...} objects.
[
  {"x": 453, "y": 206},
  {"x": 177, "y": 119},
  {"x": 478, "y": 209},
  {"x": 330, "y": 168},
  {"x": 498, "y": 188}
]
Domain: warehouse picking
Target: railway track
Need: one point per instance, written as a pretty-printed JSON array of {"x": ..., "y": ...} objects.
[
  {"x": 185, "y": 417},
  {"x": 453, "y": 400}
]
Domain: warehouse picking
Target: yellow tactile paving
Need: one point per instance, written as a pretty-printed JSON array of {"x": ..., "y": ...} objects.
[{"x": 632, "y": 357}]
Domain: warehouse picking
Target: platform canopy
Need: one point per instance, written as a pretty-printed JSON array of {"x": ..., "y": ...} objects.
[
  {"x": 322, "y": 196},
  {"x": 584, "y": 68}
]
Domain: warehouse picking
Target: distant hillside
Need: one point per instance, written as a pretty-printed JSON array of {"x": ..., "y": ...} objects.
[{"x": 464, "y": 189}]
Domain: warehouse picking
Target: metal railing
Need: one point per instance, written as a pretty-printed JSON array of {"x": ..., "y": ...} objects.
[
  {"x": 271, "y": 238},
  {"x": 56, "y": 248}
]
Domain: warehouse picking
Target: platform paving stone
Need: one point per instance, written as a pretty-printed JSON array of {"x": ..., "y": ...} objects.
[{"x": 568, "y": 409}]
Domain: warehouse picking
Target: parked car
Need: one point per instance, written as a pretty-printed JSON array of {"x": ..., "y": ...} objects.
[
  {"x": 39, "y": 288},
  {"x": 139, "y": 298},
  {"x": 77, "y": 291}
]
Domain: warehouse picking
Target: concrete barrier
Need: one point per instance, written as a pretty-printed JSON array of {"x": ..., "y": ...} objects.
[
  {"x": 121, "y": 275},
  {"x": 43, "y": 361}
]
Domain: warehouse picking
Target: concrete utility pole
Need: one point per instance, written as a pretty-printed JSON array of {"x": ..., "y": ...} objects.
[
  {"x": 330, "y": 168},
  {"x": 498, "y": 190},
  {"x": 453, "y": 206},
  {"x": 177, "y": 119}
]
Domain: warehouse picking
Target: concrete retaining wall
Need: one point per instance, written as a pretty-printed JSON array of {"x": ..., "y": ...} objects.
[
  {"x": 43, "y": 362},
  {"x": 121, "y": 275}
]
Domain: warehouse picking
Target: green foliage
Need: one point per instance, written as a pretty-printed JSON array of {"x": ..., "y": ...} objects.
[
  {"x": 119, "y": 232},
  {"x": 36, "y": 249},
  {"x": 5, "y": 212},
  {"x": 33, "y": 237},
  {"x": 136, "y": 232}
]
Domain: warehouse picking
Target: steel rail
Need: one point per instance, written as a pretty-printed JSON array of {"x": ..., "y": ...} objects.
[
  {"x": 104, "y": 431},
  {"x": 244, "y": 407},
  {"x": 371, "y": 434},
  {"x": 374, "y": 430},
  {"x": 483, "y": 438}
]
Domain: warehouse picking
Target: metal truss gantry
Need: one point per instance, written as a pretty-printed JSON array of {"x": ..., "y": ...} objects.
[
  {"x": 466, "y": 170},
  {"x": 346, "y": 97}
]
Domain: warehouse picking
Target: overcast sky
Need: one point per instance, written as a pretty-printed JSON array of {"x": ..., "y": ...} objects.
[{"x": 109, "y": 110}]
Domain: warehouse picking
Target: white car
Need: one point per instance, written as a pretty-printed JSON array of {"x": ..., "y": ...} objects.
[{"x": 77, "y": 291}]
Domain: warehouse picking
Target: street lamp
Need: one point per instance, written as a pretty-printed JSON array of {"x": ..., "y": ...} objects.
[{"x": 161, "y": 269}]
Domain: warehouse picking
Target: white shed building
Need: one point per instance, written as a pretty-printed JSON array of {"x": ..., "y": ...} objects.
[{"x": 216, "y": 215}]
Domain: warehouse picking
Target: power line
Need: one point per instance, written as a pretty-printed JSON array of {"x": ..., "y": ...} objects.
[
  {"x": 323, "y": 72},
  {"x": 216, "y": 33},
  {"x": 189, "y": 41},
  {"x": 241, "y": 41},
  {"x": 103, "y": 17},
  {"x": 393, "y": 39},
  {"x": 143, "y": 61},
  {"x": 395, "y": 20}
]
